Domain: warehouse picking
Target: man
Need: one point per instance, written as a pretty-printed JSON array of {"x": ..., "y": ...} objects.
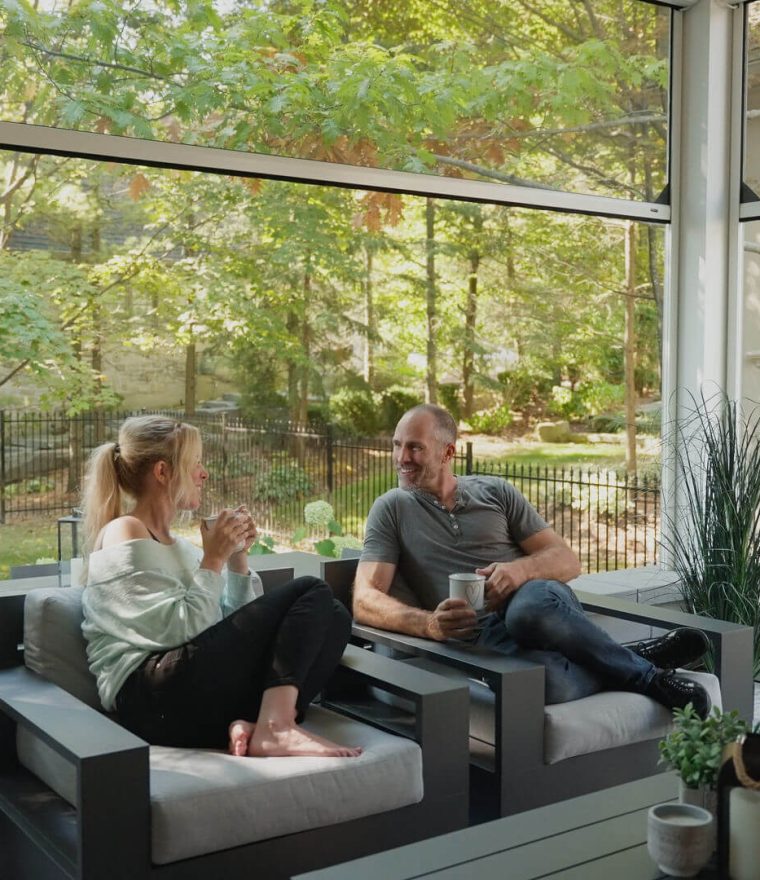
[{"x": 436, "y": 523}]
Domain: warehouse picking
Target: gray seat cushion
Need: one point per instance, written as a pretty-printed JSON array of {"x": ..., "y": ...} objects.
[
  {"x": 610, "y": 719},
  {"x": 605, "y": 720},
  {"x": 203, "y": 800}
]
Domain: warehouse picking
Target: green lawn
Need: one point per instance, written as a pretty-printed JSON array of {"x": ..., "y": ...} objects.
[
  {"x": 601, "y": 455},
  {"x": 36, "y": 540},
  {"x": 26, "y": 542}
]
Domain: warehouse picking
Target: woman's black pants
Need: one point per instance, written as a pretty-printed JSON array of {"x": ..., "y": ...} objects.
[{"x": 295, "y": 635}]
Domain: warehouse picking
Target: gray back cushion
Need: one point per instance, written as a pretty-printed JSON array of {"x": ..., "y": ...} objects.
[{"x": 54, "y": 646}]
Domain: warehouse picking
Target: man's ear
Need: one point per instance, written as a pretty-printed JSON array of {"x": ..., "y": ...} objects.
[
  {"x": 162, "y": 472},
  {"x": 449, "y": 452}
]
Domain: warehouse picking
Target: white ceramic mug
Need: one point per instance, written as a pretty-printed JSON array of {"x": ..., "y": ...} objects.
[
  {"x": 679, "y": 838},
  {"x": 210, "y": 521},
  {"x": 468, "y": 586}
]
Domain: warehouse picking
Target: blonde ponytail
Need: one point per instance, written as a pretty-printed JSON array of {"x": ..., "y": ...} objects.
[{"x": 101, "y": 498}]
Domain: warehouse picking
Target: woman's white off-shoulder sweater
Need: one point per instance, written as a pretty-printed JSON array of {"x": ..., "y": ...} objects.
[{"x": 143, "y": 596}]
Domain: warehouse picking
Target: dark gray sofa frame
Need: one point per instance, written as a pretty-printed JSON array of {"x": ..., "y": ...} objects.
[
  {"x": 108, "y": 835},
  {"x": 511, "y": 776}
]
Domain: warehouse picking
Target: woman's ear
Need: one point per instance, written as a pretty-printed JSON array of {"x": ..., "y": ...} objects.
[{"x": 162, "y": 472}]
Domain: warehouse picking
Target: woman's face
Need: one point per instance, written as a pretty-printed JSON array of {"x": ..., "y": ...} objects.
[{"x": 198, "y": 475}]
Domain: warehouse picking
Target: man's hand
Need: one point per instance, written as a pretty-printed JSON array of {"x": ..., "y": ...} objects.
[
  {"x": 502, "y": 579},
  {"x": 452, "y": 619}
]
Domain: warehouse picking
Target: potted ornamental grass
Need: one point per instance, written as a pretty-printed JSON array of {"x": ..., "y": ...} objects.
[{"x": 713, "y": 534}]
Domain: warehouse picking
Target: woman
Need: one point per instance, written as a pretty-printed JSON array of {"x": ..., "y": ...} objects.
[{"x": 179, "y": 650}]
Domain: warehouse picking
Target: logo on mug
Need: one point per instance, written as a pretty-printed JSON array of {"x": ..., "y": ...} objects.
[{"x": 468, "y": 586}]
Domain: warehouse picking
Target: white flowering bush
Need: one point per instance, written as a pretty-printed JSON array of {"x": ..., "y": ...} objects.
[{"x": 321, "y": 515}]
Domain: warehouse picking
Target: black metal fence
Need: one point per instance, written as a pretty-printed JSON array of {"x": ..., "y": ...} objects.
[{"x": 611, "y": 521}]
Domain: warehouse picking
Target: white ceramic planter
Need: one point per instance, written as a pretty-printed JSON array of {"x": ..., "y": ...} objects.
[{"x": 679, "y": 838}]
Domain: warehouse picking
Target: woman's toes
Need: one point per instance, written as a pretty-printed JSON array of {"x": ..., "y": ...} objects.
[{"x": 240, "y": 733}]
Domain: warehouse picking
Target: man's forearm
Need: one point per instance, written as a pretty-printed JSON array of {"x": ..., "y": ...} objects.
[
  {"x": 552, "y": 563},
  {"x": 376, "y": 608}
]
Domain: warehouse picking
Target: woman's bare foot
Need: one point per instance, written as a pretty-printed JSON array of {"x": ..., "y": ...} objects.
[
  {"x": 280, "y": 741},
  {"x": 240, "y": 733}
]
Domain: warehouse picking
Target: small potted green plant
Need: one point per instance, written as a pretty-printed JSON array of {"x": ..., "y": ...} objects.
[{"x": 694, "y": 749}]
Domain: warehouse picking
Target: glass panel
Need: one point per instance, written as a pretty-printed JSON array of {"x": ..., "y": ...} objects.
[
  {"x": 563, "y": 94},
  {"x": 751, "y": 312},
  {"x": 128, "y": 287},
  {"x": 752, "y": 135}
]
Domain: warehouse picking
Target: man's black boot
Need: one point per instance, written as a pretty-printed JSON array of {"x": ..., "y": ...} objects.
[
  {"x": 675, "y": 650},
  {"x": 675, "y": 692}
]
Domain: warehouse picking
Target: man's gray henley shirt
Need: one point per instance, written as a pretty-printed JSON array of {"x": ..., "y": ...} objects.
[{"x": 413, "y": 530}]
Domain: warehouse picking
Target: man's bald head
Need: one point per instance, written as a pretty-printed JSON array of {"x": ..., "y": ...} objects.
[{"x": 443, "y": 424}]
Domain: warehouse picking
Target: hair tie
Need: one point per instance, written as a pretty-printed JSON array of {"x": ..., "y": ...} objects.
[{"x": 116, "y": 452}]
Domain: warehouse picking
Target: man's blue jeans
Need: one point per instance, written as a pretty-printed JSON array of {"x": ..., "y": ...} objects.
[{"x": 543, "y": 621}]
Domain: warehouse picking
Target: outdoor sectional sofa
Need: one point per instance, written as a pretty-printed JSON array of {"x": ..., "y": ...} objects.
[{"x": 81, "y": 797}]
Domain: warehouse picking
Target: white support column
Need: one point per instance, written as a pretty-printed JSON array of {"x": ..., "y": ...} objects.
[
  {"x": 699, "y": 322},
  {"x": 701, "y": 199}
]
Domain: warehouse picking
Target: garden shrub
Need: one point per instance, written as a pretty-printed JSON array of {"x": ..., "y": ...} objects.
[
  {"x": 525, "y": 384},
  {"x": 450, "y": 399},
  {"x": 566, "y": 403},
  {"x": 491, "y": 421},
  {"x": 587, "y": 399},
  {"x": 354, "y": 411},
  {"x": 281, "y": 483},
  {"x": 240, "y": 466},
  {"x": 318, "y": 413},
  {"x": 394, "y": 402},
  {"x": 601, "y": 397}
]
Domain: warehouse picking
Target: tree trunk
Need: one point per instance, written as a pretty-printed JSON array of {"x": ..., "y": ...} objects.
[
  {"x": 431, "y": 378},
  {"x": 76, "y": 454},
  {"x": 303, "y": 395},
  {"x": 190, "y": 384},
  {"x": 76, "y": 243},
  {"x": 96, "y": 362},
  {"x": 470, "y": 319},
  {"x": 18, "y": 171},
  {"x": 292, "y": 324},
  {"x": 7, "y": 224},
  {"x": 629, "y": 347},
  {"x": 369, "y": 319}
]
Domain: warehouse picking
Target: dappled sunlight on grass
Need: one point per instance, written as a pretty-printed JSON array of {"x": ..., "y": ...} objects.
[{"x": 602, "y": 451}]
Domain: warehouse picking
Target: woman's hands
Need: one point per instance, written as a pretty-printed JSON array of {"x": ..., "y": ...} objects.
[
  {"x": 238, "y": 561},
  {"x": 228, "y": 540}
]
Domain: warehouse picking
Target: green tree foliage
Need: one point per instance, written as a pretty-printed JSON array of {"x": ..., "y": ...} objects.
[{"x": 288, "y": 280}]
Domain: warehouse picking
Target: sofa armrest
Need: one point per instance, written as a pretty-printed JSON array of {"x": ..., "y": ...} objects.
[
  {"x": 732, "y": 643},
  {"x": 438, "y": 723},
  {"x": 518, "y": 686},
  {"x": 112, "y": 833},
  {"x": 11, "y": 629}
]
